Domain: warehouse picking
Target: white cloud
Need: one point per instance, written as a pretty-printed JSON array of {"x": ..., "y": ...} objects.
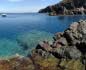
[{"x": 15, "y": 0}]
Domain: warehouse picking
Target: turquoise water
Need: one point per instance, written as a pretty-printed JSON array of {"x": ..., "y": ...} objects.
[{"x": 19, "y": 33}]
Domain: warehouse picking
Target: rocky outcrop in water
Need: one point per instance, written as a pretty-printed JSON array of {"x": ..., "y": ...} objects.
[
  {"x": 66, "y": 7},
  {"x": 68, "y": 44},
  {"x": 66, "y": 52}
]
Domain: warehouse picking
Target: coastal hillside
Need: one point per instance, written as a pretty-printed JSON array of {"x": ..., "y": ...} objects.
[
  {"x": 66, "y": 7},
  {"x": 66, "y": 52}
]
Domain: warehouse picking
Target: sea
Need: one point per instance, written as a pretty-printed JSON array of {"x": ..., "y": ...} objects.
[{"x": 21, "y": 32}]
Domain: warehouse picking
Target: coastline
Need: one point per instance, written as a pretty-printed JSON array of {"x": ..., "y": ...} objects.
[
  {"x": 66, "y": 7},
  {"x": 61, "y": 54}
]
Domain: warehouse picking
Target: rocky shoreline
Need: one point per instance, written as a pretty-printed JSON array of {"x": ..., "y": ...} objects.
[
  {"x": 66, "y": 7},
  {"x": 66, "y": 52}
]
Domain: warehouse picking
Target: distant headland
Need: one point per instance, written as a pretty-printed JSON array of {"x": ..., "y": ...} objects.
[{"x": 66, "y": 7}]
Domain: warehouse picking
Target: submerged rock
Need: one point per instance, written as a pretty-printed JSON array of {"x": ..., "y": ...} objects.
[{"x": 29, "y": 40}]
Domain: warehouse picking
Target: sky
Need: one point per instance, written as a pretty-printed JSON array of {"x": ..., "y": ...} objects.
[{"x": 24, "y": 5}]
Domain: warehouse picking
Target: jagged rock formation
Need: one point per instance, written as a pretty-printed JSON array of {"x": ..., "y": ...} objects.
[
  {"x": 68, "y": 49},
  {"x": 66, "y": 7},
  {"x": 67, "y": 52}
]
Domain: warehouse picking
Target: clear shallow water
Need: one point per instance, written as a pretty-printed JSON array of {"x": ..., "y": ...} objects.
[{"x": 29, "y": 29}]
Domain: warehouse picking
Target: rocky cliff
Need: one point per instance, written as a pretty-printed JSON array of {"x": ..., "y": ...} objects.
[
  {"x": 66, "y": 52},
  {"x": 66, "y": 7}
]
